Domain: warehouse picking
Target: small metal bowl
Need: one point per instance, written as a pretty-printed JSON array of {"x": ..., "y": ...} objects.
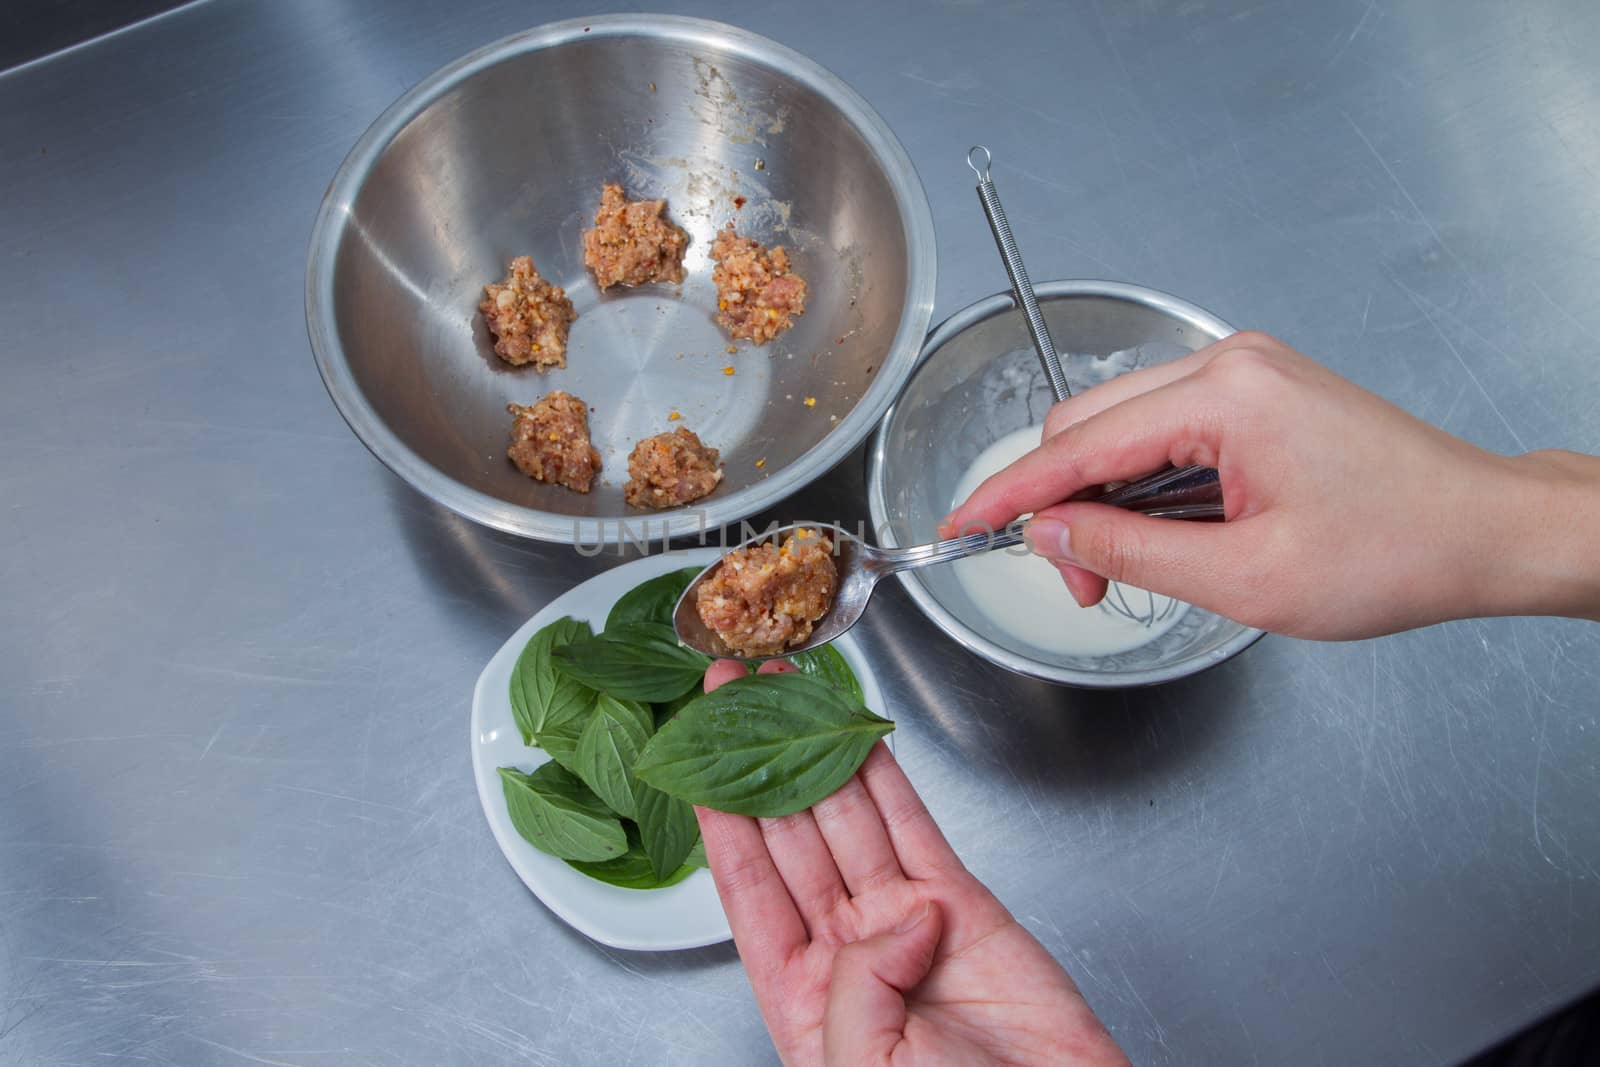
[
  {"x": 978, "y": 379},
  {"x": 503, "y": 153}
]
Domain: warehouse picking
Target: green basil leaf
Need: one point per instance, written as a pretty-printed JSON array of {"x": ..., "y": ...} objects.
[
  {"x": 764, "y": 745},
  {"x": 827, "y": 665},
  {"x": 667, "y": 827},
  {"x": 653, "y": 601},
  {"x": 632, "y": 869},
  {"x": 560, "y": 740},
  {"x": 697, "y": 855},
  {"x": 665, "y": 710},
  {"x": 635, "y": 660},
  {"x": 538, "y": 692},
  {"x": 611, "y": 740},
  {"x": 556, "y": 813},
  {"x": 563, "y": 729}
]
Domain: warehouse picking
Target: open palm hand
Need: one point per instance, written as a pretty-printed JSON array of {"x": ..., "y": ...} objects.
[{"x": 868, "y": 942}]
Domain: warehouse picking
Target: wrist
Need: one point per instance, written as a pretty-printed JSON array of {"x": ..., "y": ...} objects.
[{"x": 1546, "y": 562}]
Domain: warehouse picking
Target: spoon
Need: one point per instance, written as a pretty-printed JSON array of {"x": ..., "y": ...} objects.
[{"x": 860, "y": 565}]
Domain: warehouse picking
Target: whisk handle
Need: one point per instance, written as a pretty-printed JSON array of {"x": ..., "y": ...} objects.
[
  {"x": 1193, "y": 493},
  {"x": 1021, "y": 287}
]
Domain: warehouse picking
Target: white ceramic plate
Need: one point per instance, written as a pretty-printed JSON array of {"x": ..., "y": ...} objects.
[{"x": 686, "y": 915}]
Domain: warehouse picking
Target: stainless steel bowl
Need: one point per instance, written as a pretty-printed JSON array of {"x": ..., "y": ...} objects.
[
  {"x": 978, "y": 380},
  {"x": 503, "y": 153}
]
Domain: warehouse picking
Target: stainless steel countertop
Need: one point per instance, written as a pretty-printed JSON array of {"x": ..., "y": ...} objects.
[{"x": 237, "y": 821}]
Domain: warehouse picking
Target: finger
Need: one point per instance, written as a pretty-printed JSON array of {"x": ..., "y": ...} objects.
[
  {"x": 1198, "y": 562},
  {"x": 919, "y": 846},
  {"x": 765, "y": 923},
  {"x": 1172, "y": 424},
  {"x": 865, "y": 1016},
  {"x": 1086, "y": 587},
  {"x": 1108, "y": 394},
  {"x": 806, "y": 865},
  {"x": 800, "y": 853},
  {"x": 856, "y": 836},
  {"x": 722, "y": 672},
  {"x": 1125, "y": 387}
]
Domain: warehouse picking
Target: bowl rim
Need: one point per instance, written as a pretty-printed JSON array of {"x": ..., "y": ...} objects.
[
  {"x": 894, "y": 367},
  {"x": 877, "y": 502}
]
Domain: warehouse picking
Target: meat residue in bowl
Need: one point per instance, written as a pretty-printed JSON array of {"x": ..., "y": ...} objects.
[{"x": 738, "y": 120}]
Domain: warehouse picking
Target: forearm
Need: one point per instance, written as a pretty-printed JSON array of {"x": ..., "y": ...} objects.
[{"x": 1549, "y": 532}]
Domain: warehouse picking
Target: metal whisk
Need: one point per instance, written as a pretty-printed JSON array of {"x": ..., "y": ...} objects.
[
  {"x": 1193, "y": 493},
  {"x": 1021, "y": 287}
]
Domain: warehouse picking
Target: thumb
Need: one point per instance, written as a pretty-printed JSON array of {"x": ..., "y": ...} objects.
[
  {"x": 865, "y": 1017},
  {"x": 1186, "y": 560}
]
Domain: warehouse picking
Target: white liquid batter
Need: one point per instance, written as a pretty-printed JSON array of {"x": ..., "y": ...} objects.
[{"x": 1024, "y": 596}]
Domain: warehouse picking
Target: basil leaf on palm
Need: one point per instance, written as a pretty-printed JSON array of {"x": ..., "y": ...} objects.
[
  {"x": 556, "y": 813},
  {"x": 538, "y": 693},
  {"x": 826, "y": 664},
  {"x": 763, "y": 745},
  {"x": 632, "y": 869},
  {"x": 610, "y": 743},
  {"x": 636, "y": 661},
  {"x": 652, "y": 601},
  {"x": 697, "y": 855},
  {"x": 667, "y": 827},
  {"x": 665, "y": 710}
]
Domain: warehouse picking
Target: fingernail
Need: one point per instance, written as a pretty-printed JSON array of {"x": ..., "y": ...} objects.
[
  {"x": 911, "y": 922},
  {"x": 946, "y": 528},
  {"x": 1049, "y": 538}
]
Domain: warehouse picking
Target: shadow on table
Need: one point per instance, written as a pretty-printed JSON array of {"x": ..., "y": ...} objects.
[
  {"x": 493, "y": 579},
  {"x": 659, "y": 964},
  {"x": 1568, "y": 1038}
]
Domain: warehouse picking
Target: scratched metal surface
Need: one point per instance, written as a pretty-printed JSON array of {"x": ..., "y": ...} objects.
[{"x": 237, "y": 822}]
